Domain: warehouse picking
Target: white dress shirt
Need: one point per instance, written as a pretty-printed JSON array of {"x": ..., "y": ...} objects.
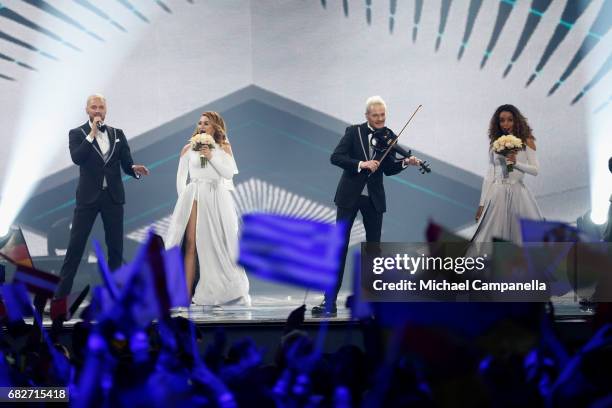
[
  {"x": 102, "y": 139},
  {"x": 365, "y": 188},
  {"x": 103, "y": 142}
]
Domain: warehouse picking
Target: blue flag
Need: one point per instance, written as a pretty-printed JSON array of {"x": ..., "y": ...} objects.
[
  {"x": 359, "y": 308},
  {"x": 105, "y": 271},
  {"x": 176, "y": 283},
  {"x": 101, "y": 304},
  {"x": 291, "y": 250},
  {"x": 153, "y": 283},
  {"x": 17, "y": 302},
  {"x": 548, "y": 231}
]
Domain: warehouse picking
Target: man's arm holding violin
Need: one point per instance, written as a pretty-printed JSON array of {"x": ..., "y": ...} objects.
[{"x": 390, "y": 165}]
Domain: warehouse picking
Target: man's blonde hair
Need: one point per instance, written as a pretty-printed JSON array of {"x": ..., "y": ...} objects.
[
  {"x": 96, "y": 96},
  {"x": 375, "y": 100}
]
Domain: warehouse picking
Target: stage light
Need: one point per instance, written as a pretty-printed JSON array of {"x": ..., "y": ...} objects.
[
  {"x": 599, "y": 122},
  {"x": 600, "y": 217},
  {"x": 4, "y": 229},
  {"x": 586, "y": 224},
  {"x": 600, "y": 147},
  {"x": 5, "y": 222},
  {"x": 601, "y": 179},
  {"x": 600, "y": 150},
  {"x": 55, "y": 95}
]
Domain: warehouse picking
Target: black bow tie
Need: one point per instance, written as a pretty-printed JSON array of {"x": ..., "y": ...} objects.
[{"x": 102, "y": 128}]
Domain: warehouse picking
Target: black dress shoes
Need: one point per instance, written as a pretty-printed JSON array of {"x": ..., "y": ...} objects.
[{"x": 325, "y": 309}]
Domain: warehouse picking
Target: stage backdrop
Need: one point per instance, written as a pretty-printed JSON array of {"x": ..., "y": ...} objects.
[{"x": 289, "y": 76}]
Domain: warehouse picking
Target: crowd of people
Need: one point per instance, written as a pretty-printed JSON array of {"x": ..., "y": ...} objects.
[{"x": 518, "y": 360}]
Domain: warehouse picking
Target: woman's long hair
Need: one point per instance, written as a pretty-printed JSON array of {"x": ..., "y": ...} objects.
[
  {"x": 522, "y": 130},
  {"x": 218, "y": 124}
]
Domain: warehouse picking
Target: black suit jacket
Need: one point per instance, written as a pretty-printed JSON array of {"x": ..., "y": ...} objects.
[
  {"x": 93, "y": 167},
  {"x": 347, "y": 155}
]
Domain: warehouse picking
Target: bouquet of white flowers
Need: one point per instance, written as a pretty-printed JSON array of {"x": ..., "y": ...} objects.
[
  {"x": 507, "y": 144},
  {"x": 200, "y": 140}
]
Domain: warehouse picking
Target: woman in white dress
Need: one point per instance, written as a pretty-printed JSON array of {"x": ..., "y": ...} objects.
[
  {"x": 505, "y": 198},
  {"x": 205, "y": 217}
]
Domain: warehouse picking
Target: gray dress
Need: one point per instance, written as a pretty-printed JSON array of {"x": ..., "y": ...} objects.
[{"x": 506, "y": 199}]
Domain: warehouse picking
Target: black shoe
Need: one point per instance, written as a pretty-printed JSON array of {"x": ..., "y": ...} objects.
[{"x": 325, "y": 309}]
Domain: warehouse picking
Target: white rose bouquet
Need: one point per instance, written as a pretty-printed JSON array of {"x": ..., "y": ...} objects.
[
  {"x": 507, "y": 144},
  {"x": 200, "y": 140}
]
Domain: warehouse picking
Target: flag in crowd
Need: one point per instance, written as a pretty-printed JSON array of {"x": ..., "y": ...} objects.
[
  {"x": 291, "y": 250},
  {"x": 13, "y": 247}
]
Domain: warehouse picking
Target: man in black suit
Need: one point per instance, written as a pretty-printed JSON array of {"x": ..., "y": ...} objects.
[
  {"x": 360, "y": 188},
  {"x": 100, "y": 151}
]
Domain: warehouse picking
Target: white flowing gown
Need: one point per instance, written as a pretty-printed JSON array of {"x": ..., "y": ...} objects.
[
  {"x": 221, "y": 279},
  {"x": 505, "y": 198}
]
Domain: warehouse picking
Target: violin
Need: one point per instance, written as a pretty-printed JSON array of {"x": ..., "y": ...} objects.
[{"x": 384, "y": 141}]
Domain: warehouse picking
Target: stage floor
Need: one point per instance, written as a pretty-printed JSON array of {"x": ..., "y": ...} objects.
[
  {"x": 264, "y": 309},
  {"x": 275, "y": 308}
]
